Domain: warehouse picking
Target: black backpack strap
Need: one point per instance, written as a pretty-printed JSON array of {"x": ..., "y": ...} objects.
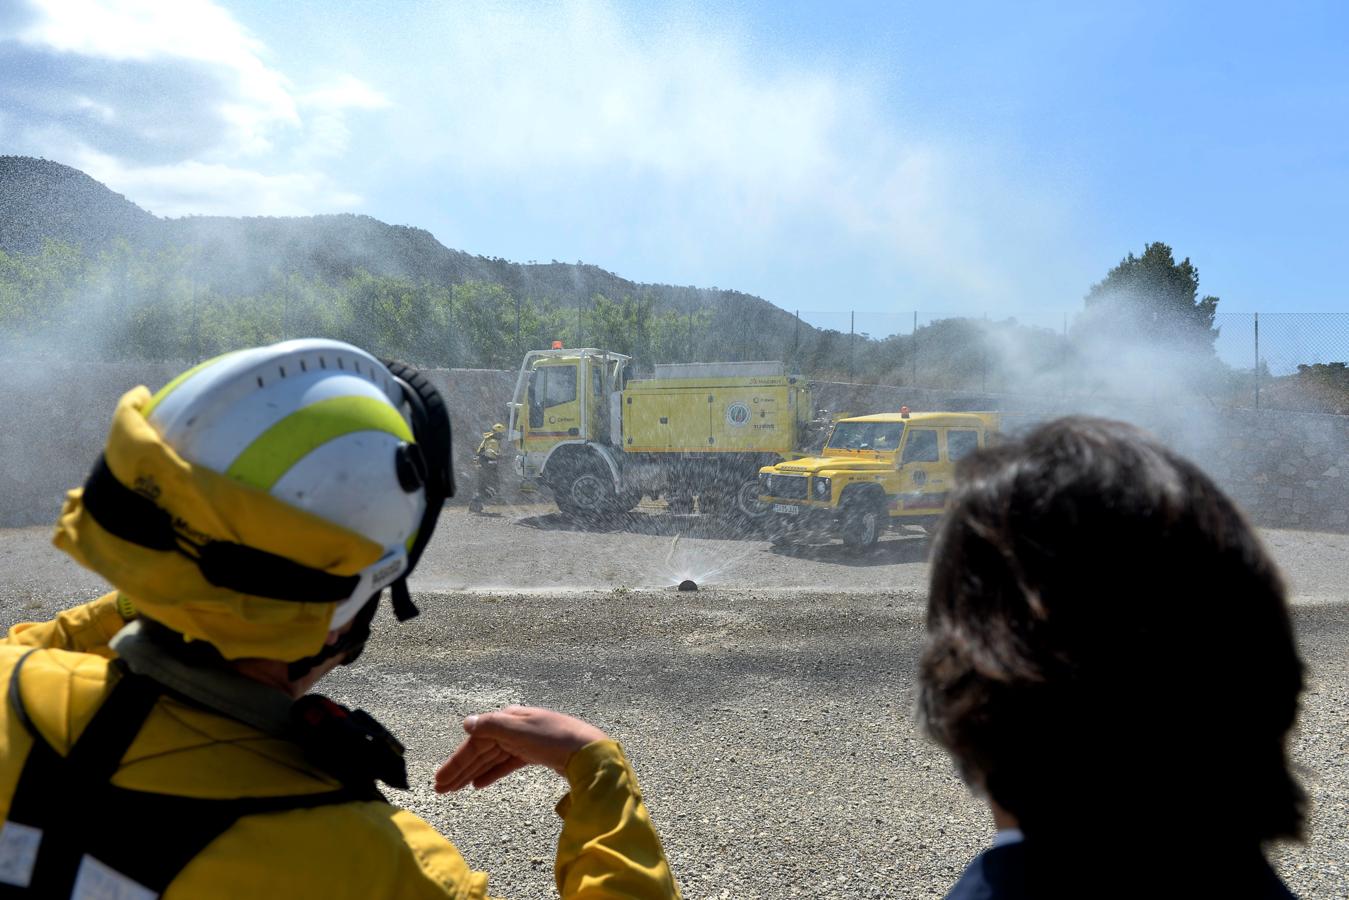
[
  {"x": 152, "y": 837},
  {"x": 55, "y": 792},
  {"x": 145, "y": 837}
]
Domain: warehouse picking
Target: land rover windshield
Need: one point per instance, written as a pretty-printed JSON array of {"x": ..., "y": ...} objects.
[{"x": 881, "y": 437}]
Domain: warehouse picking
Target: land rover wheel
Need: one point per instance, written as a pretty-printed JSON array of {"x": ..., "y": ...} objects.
[
  {"x": 863, "y": 521},
  {"x": 747, "y": 503}
]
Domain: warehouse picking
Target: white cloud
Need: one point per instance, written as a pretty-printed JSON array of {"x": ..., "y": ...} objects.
[
  {"x": 327, "y": 132},
  {"x": 175, "y": 104},
  {"x": 749, "y": 145},
  {"x": 678, "y": 135},
  {"x": 192, "y": 187},
  {"x": 195, "y": 31}
]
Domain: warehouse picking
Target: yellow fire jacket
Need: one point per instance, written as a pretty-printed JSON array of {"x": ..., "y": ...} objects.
[
  {"x": 86, "y": 628},
  {"x": 608, "y": 847},
  {"x": 490, "y": 446}
]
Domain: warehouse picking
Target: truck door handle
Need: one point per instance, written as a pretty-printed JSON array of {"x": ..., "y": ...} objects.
[{"x": 573, "y": 431}]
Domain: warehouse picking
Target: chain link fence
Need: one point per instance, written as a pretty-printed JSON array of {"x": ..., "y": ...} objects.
[{"x": 1291, "y": 361}]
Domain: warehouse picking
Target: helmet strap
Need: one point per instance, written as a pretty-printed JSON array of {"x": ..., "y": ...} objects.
[
  {"x": 351, "y": 642},
  {"x": 401, "y": 600}
]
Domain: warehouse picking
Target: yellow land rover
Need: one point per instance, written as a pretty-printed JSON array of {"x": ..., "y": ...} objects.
[{"x": 874, "y": 471}]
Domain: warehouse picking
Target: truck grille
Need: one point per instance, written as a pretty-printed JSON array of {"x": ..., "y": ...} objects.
[{"x": 788, "y": 487}]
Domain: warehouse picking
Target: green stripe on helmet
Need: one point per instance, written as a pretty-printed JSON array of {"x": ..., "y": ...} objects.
[
  {"x": 290, "y": 440},
  {"x": 179, "y": 379}
]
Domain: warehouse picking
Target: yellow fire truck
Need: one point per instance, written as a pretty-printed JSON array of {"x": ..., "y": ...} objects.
[
  {"x": 875, "y": 471},
  {"x": 600, "y": 439}
]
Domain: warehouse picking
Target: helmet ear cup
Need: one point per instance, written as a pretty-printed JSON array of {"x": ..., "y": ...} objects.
[
  {"x": 431, "y": 427},
  {"x": 411, "y": 465}
]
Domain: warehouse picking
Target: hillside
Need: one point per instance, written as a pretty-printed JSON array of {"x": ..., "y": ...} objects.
[
  {"x": 85, "y": 273},
  {"x": 43, "y": 200}
]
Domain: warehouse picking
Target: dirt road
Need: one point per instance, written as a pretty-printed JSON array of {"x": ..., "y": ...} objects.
[{"x": 768, "y": 715}]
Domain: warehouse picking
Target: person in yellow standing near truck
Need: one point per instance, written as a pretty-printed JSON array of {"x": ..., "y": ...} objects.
[
  {"x": 488, "y": 458},
  {"x": 161, "y": 741}
]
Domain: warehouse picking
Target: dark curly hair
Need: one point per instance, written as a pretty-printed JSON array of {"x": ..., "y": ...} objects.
[{"x": 1105, "y": 632}]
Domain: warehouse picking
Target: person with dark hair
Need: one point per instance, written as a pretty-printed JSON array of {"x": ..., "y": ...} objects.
[{"x": 1111, "y": 664}]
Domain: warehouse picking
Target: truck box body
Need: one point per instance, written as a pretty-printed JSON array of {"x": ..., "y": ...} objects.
[{"x": 754, "y": 414}]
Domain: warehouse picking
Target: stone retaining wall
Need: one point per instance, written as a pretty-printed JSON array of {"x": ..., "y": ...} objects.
[
  {"x": 56, "y": 416},
  {"x": 1286, "y": 469}
]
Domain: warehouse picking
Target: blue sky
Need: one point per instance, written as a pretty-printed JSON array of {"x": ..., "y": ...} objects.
[{"x": 958, "y": 158}]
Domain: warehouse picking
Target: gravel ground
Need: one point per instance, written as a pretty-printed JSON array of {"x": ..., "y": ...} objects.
[{"x": 768, "y": 715}]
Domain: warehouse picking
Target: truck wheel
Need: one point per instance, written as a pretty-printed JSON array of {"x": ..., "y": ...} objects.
[
  {"x": 711, "y": 501},
  {"x": 863, "y": 522},
  {"x": 587, "y": 496}
]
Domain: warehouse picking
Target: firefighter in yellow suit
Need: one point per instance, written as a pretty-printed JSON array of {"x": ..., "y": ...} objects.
[
  {"x": 488, "y": 458},
  {"x": 161, "y": 741}
]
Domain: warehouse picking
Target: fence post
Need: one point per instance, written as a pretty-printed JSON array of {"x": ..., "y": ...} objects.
[
  {"x": 1067, "y": 376},
  {"x": 1257, "y": 362},
  {"x": 983, "y": 356},
  {"x": 915, "y": 349},
  {"x": 690, "y": 359},
  {"x": 196, "y": 331},
  {"x": 639, "y": 343},
  {"x": 852, "y": 343}
]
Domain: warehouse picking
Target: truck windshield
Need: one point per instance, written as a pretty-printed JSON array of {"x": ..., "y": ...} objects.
[{"x": 879, "y": 436}]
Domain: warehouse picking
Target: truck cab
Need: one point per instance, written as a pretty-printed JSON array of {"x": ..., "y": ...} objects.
[
  {"x": 563, "y": 397},
  {"x": 874, "y": 471}
]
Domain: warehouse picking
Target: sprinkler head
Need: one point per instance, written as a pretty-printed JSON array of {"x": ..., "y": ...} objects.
[{"x": 688, "y": 584}]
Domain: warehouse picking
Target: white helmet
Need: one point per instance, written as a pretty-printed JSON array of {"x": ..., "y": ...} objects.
[
  {"x": 267, "y": 497},
  {"x": 318, "y": 424}
]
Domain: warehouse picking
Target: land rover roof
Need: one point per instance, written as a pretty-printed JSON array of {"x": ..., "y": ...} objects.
[{"x": 927, "y": 418}]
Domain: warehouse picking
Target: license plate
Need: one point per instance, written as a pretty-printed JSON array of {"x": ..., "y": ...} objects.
[{"x": 786, "y": 508}]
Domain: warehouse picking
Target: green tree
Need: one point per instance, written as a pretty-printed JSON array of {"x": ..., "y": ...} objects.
[
  {"x": 1155, "y": 299},
  {"x": 483, "y": 326}
]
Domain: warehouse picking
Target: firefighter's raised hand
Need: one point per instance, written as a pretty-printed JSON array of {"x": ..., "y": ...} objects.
[{"x": 500, "y": 742}]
